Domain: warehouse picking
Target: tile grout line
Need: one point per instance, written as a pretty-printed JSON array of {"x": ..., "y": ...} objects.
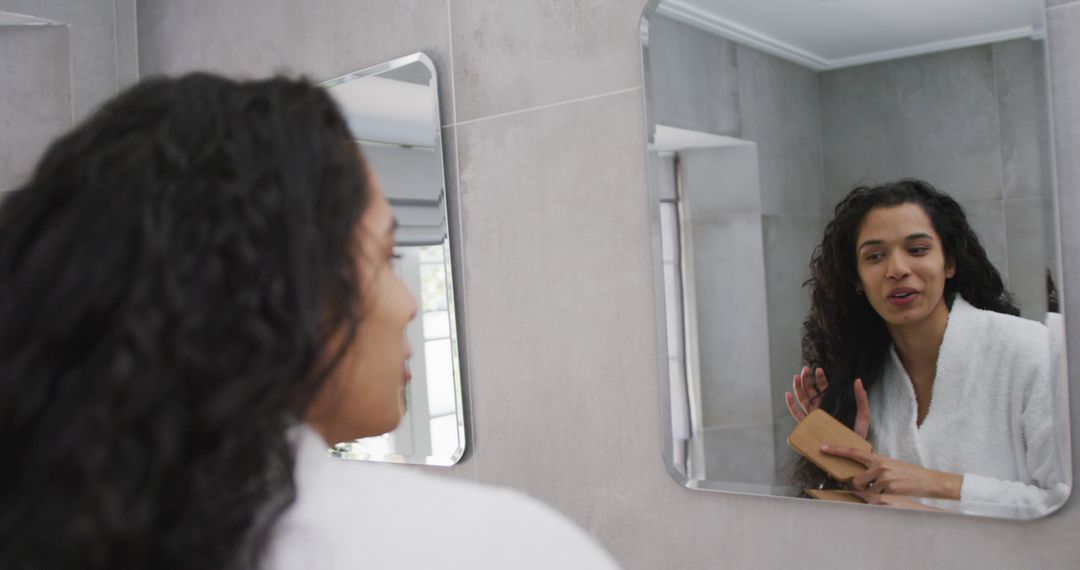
[{"x": 547, "y": 106}]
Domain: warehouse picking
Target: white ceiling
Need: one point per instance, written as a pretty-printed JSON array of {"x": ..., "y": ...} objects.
[{"x": 828, "y": 34}]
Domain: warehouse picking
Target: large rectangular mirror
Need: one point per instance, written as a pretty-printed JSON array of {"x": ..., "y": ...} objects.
[
  {"x": 393, "y": 112},
  {"x": 763, "y": 117}
]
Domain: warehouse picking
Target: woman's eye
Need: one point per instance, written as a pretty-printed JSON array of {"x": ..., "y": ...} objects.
[
  {"x": 918, "y": 250},
  {"x": 874, "y": 257}
]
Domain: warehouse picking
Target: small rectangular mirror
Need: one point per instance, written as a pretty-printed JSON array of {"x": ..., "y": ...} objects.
[
  {"x": 393, "y": 112},
  {"x": 762, "y": 117}
]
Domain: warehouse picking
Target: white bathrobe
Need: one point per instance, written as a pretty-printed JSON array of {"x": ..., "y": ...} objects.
[
  {"x": 993, "y": 413},
  {"x": 352, "y": 514}
]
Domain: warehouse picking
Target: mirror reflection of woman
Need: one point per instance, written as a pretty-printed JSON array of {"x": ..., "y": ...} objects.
[{"x": 913, "y": 342}]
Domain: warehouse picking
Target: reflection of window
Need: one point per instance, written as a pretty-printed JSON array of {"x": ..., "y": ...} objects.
[
  {"x": 435, "y": 310},
  {"x": 431, "y": 426}
]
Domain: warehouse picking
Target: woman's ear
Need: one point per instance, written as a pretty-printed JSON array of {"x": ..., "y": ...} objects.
[{"x": 950, "y": 268}]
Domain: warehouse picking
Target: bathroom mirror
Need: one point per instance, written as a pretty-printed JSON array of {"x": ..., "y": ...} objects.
[
  {"x": 393, "y": 113},
  {"x": 761, "y": 117}
]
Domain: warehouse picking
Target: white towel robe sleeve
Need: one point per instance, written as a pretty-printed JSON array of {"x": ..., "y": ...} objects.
[
  {"x": 365, "y": 515},
  {"x": 992, "y": 412}
]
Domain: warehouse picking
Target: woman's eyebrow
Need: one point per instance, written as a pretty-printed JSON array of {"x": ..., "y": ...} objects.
[
  {"x": 870, "y": 242},
  {"x": 920, "y": 235}
]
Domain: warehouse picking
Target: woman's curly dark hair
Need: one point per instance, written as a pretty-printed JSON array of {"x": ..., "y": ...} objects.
[
  {"x": 842, "y": 333},
  {"x": 170, "y": 278}
]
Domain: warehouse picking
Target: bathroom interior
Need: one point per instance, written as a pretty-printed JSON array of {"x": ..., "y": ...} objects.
[{"x": 575, "y": 178}]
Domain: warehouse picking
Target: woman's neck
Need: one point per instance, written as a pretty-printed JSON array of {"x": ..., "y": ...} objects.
[{"x": 918, "y": 345}]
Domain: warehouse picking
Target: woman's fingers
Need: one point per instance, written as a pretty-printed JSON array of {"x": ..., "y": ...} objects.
[
  {"x": 807, "y": 387},
  {"x": 794, "y": 409},
  {"x": 822, "y": 382},
  {"x": 798, "y": 384},
  {"x": 864, "y": 481},
  {"x": 862, "y": 410},
  {"x": 864, "y": 457}
]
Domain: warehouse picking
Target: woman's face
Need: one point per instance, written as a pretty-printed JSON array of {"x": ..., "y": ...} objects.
[
  {"x": 901, "y": 263},
  {"x": 363, "y": 397}
]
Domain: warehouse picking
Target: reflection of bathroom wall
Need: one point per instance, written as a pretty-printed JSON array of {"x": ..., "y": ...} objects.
[
  {"x": 780, "y": 112},
  {"x": 748, "y": 94},
  {"x": 722, "y": 228},
  {"x": 971, "y": 121}
]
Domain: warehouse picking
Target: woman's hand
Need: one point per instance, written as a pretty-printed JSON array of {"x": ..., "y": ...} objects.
[
  {"x": 808, "y": 390},
  {"x": 895, "y": 501},
  {"x": 885, "y": 475}
]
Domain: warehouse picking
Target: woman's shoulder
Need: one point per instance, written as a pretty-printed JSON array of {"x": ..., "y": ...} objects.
[
  {"x": 1001, "y": 327},
  {"x": 399, "y": 516}
]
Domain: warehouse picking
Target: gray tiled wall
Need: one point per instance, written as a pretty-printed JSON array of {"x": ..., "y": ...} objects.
[
  {"x": 722, "y": 223},
  {"x": 700, "y": 94},
  {"x": 781, "y": 113},
  {"x": 1020, "y": 79},
  {"x": 901, "y": 118},
  {"x": 559, "y": 279},
  {"x": 54, "y": 75},
  {"x": 729, "y": 272},
  {"x": 103, "y": 44},
  {"x": 971, "y": 121},
  {"x": 35, "y": 63}
]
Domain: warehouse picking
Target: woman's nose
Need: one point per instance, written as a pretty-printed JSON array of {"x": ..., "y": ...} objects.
[{"x": 898, "y": 267}]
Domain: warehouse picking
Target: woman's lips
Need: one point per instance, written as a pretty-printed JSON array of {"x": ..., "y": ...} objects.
[
  {"x": 901, "y": 297},
  {"x": 405, "y": 374}
]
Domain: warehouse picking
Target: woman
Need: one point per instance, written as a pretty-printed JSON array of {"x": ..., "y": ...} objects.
[
  {"x": 196, "y": 300},
  {"x": 913, "y": 341}
]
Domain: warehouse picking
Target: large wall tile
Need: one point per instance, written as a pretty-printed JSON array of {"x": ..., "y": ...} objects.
[
  {"x": 35, "y": 64},
  {"x": 693, "y": 79},
  {"x": 781, "y": 113},
  {"x": 729, "y": 303},
  {"x": 94, "y": 45},
  {"x": 321, "y": 38},
  {"x": 561, "y": 374},
  {"x": 740, "y": 453},
  {"x": 721, "y": 180},
  {"x": 1029, "y": 257},
  {"x": 1051, "y": 3},
  {"x": 987, "y": 218},
  {"x": 516, "y": 54},
  {"x": 789, "y": 243},
  {"x": 932, "y": 117},
  {"x": 1020, "y": 76}
]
